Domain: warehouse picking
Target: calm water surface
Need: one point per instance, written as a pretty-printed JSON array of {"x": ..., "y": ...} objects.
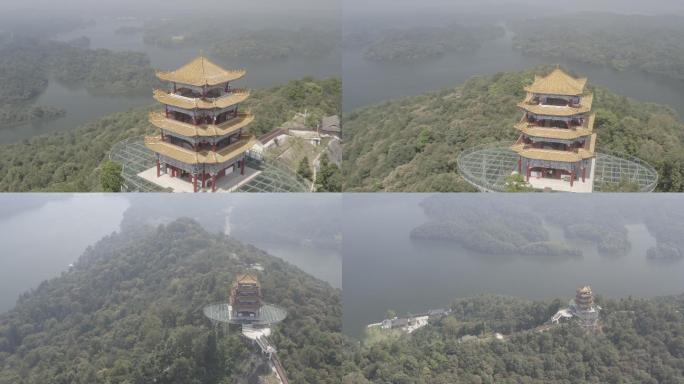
[
  {"x": 367, "y": 82},
  {"x": 324, "y": 264},
  {"x": 83, "y": 106}
]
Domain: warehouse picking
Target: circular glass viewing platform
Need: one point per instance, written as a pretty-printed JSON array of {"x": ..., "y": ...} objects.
[
  {"x": 486, "y": 167},
  {"x": 135, "y": 158},
  {"x": 268, "y": 315}
]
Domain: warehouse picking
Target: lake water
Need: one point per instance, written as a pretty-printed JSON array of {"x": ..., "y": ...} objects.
[
  {"x": 324, "y": 264},
  {"x": 385, "y": 269},
  {"x": 83, "y": 106},
  {"x": 39, "y": 243},
  {"x": 367, "y": 82}
]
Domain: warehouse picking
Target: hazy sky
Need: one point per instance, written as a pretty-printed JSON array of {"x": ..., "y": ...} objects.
[
  {"x": 165, "y": 7},
  {"x": 621, "y": 6}
]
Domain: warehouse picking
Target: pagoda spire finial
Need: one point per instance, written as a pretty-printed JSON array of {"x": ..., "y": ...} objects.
[{"x": 202, "y": 59}]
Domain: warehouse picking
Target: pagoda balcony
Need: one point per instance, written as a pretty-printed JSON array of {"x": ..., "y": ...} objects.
[
  {"x": 540, "y": 151},
  {"x": 202, "y": 156},
  {"x": 189, "y": 103},
  {"x": 202, "y": 93},
  {"x": 550, "y": 129},
  {"x": 230, "y": 126},
  {"x": 584, "y": 106}
]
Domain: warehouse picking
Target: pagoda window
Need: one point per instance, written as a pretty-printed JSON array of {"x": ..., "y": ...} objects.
[{"x": 555, "y": 101}]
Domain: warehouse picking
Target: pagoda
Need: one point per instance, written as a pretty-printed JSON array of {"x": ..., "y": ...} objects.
[
  {"x": 202, "y": 132},
  {"x": 557, "y": 142},
  {"x": 245, "y": 297},
  {"x": 584, "y": 309}
]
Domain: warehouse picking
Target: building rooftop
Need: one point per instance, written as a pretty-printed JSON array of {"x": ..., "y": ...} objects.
[
  {"x": 558, "y": 82},
  {"x": 246, "y": 278},
  {"x": 330, "y": 123},
  {"x": 200, "y": 72}
]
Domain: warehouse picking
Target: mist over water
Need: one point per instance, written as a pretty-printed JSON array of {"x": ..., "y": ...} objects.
[{"x": 41, "y": 241}]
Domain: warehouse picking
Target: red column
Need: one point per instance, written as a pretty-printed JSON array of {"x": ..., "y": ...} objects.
[
  {"x": 519, "y": 164},
  {"x": 194, "y": 182},
  {"x": 584, "y": 171},
  {"x": 572, "y": 177},
  {"x": 158, "y": 169},
  {"x": 213, "y": 183},
  {"x": 527, "y": 172}
]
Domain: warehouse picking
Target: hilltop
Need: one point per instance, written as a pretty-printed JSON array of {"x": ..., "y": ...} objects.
[
  {"x": 412, "y": 143},
  {"x": 69, "y": 161},
  {"x": 129, "y": 311}
]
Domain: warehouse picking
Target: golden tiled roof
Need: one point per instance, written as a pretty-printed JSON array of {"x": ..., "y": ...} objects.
[
  {"x": 157, "y": 145},
  {"x": 235, "y": 97},
  {"x": 556, "y": 155},
  {"x": 532, "y": 129},
  {"x": 159, "y": 120},
  {"x": 558, "y": 83},
  {"x": 551, "y": 110},
  {"x": 247, "y": 278},
  {"x": 200, "y": 72}
]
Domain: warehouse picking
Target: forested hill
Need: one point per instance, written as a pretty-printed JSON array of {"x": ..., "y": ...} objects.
[
  {"x": 642, "y": 341},
  {"x": 653, "y": 44},
  {"x": 69, "y": 161},
  {"x": 129, "y": 311},
  {"x": 411, "y": 144}
]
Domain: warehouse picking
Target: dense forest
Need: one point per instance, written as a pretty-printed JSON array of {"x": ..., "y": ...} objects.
[
  {"x": 642, "y": 341},
  {"x": 274, "y": 44},
  {"x": 230, "y": 41},
  {"x": 130, "y": 311},
  {"x": 70, "y": 160},
  {"x": 420, "y": 43},
  {"x": 653, "y": 44},
  {"x": 412, "y": 143}
]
